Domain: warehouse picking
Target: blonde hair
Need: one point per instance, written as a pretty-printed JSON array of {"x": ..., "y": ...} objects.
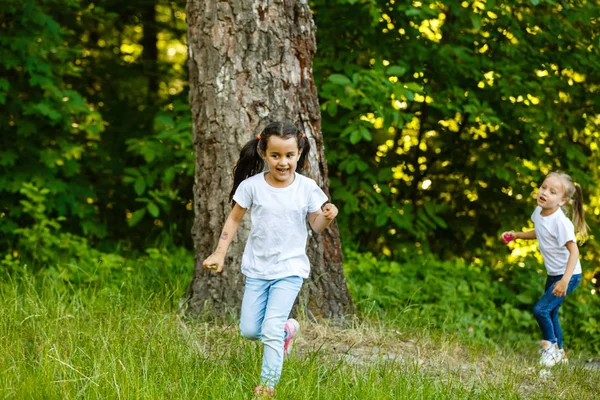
[{"x": 574, "y": 196}]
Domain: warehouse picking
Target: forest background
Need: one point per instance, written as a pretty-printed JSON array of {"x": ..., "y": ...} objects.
[{"x": 440, "y": 120}]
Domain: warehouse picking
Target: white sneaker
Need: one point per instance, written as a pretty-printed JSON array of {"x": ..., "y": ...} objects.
[
  {"x": 551, "y": 354},
  {"x": 565, "y": 359}
]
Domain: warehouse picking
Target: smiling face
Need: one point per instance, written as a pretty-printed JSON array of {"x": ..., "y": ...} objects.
[
  {"x": 282, "y": 156},
  {"x": 551, "y": 194}
]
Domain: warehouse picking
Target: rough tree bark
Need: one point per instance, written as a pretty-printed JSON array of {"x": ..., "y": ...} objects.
[{"x": 251, "y": 63}]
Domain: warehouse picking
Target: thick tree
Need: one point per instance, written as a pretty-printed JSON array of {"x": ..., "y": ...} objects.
[{"x": 250, "y": 64}]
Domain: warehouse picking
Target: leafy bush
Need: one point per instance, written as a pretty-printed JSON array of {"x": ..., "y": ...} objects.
[
  {"x": 165, "y": 169},
  {"x": 424, "y": 134},
  {"x": 50, "y": 132},
  {"x": 43, "y": 249},
  {"x": 473, "y": 300}
]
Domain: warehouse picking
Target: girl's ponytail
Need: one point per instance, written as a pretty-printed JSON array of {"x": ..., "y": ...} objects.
[
  {"x": 581, "y": 227},
  {"x": 304, "y": 146},
  {"x": 574, "y": 196},
  {"x": 250, "y": 163}
]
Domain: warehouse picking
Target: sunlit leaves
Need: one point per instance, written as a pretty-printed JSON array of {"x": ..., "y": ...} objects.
[{"x": 491, "y": 90}]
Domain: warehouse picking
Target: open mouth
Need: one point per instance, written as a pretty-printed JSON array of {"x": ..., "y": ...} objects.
[{"x": 542, "y": 198}]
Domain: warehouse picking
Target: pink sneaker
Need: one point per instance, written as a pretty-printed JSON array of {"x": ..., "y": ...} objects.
[
  {"x": 291, "y": 328},
  {"x": 264, "y": 392}
]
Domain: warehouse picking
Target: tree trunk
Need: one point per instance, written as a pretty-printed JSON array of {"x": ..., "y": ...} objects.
[{"x": 251, "y": 63}]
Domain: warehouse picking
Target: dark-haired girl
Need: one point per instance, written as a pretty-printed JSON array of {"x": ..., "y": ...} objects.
[{"x": 274, "y": 261}]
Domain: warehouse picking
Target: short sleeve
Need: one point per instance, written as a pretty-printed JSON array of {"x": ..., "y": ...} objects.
[
  {"x": 243, "y": 195},
  {"x": 317, "y": 197},
  {"x": 565, "y": 232},
  {"x": 535, "y": 214}
]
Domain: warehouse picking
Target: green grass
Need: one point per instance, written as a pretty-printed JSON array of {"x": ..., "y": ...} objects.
[{"x": 58, "y": 342}]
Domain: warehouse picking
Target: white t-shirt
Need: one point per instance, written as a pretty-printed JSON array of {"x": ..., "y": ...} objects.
[
  {"x": 553, "y": 232},
  {"x": 276, "y": 246}
]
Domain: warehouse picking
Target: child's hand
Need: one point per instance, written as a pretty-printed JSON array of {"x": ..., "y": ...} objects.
[
  {"x": 508, "y": 236},
  {"x": 330, "y": 211},
  {"x": 560, "y": 288},
  {"x": 214, "y": 262}
]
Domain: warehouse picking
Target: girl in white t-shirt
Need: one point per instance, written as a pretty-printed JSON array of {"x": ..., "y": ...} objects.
[
  {"x": 556, "y": 236},
  {"x": 274, "y": 260}
]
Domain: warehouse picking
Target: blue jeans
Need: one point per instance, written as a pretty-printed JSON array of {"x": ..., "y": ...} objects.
[
  {"x": 265, "y": 309},
  {"x": 546, "y": 309}
]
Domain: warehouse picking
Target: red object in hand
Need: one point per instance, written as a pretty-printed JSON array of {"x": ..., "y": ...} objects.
[{"x": 507, "y": 237}]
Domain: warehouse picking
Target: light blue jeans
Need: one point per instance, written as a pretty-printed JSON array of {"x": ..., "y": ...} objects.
[{"x": 265, "y": 309}]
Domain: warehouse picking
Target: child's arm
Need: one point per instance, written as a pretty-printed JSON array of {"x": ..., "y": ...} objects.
[
  {"x": 215, "y": 260},
  {"x": 319, "y": 220},
  {"x": 511, "y": 235},
  {"x": 529, "y": 235},
  {"x": 560, "y": 287}
]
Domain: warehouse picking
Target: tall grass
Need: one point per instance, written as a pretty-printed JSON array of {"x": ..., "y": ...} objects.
[{"x": 61, "y": 342}]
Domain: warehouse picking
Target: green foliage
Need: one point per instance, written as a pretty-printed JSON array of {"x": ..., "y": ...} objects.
[
  {"x": 82, "y": 84},
  {"x": 168, "y": 165},
  {"x": 440, "y": 118},
  {"x": 42, "y": 242},
  {"x": 50, "y": 133},
  {"x": 473, "y": 300},
  {"x": 136, "y": 65},
  {"x": 436, "y": 116},
  {"x": 43, "y": 248}
]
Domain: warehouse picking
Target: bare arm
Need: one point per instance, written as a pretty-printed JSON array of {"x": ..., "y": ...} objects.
[
  {"x": 512, "y": 235},
  {"x": 529, "y": 235},
  {"x": 319, "y": 220},
  {"x": 560, "y": 288},
  {"x": 215, "y": 261}
]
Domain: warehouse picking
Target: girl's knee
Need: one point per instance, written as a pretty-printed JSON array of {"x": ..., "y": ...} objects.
[
  {"x": 250, "y": 331},
  {"x": 540, "y": 311},
  {"x": 272, "y": 331}
]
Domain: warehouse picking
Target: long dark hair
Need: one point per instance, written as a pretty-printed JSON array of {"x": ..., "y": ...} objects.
[{"x": 251, "y": 163}]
